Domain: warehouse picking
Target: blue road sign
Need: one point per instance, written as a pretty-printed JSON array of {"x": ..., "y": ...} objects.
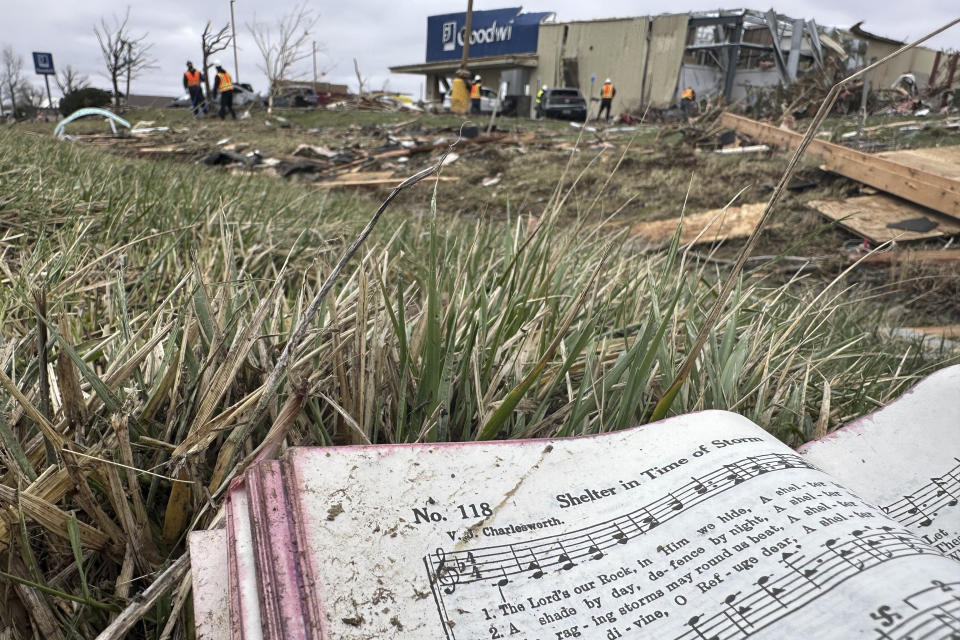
[{"x": 43, "y": 63}]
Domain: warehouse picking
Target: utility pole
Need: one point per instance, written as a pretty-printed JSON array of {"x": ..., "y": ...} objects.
[
  {"x": 46, "y": 79},
  {"x": 233, "y": 38},
  {"x": 459, "y": 97},
  {"x": 466, "y": 36},
  {"x": 314, "y": 65}
]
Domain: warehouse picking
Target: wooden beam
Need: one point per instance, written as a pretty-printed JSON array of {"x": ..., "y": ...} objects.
[
  {"x": 908, "y": 182},
  {"x": 928, "y": 257},
  {"x": 361, "y": 180}
]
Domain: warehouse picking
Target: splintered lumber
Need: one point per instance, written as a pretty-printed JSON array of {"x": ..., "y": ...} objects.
[
  {"x": 926, "y": 257},
  {"x": 932, "y": 338},
  {"x": 868, "y": 217},
  {"x": 698, "y": 228},
  {"x": 941, "y": 161},
  {"x": 372, "y": 179},
  {"x": 903, "y": 175},
  {"x": 945, "y": 331}
]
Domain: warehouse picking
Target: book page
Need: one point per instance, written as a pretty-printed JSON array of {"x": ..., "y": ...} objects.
[
  {"x": 701, "y": 527},
  {"x": 905, "y": 458},
  {"x": 208, "y": 569}
]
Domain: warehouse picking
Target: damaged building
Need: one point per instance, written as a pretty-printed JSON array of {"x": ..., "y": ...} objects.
[{"x": 652, "y": 59}]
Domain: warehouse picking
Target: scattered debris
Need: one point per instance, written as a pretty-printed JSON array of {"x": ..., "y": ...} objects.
[
  {"x": 873, "y": 217},
  {"x": 144, "y": 130},
  {"x": 312, "y": 151},
  {"x": 489, "y": 182},
  {"x": 917, "y": 225},
  {"x": 935, "y": 338},
  {"x": 373, "y": 179},
  {"x": 929, "y": 177},
  {"x": 754, "y": 148},
  {"x": 706, "y": 227},
  {"x": 224, "y": 157},
  {"x": 895, "y": 257},
  {"x": 111, "y": 117}
]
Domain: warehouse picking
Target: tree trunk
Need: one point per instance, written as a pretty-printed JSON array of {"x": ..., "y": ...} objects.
[
  {"x": 13, "y": 101},
  {"x": 116, "y": 89},
  {"x": 206, "y": 78}
]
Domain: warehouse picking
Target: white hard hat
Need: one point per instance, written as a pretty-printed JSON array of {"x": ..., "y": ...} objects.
[
  {"x": 607, "y": 80},
  {"x": 544, "y": 87},
  {"x": 475, "y": 78},
  {"x": 215, "y": 63}
]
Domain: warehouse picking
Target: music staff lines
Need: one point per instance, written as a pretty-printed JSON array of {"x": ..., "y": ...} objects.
[
  {"x": 498, "y": 563},
  {"x": 807, "y": 578},
  {"x": 929, "y": 620},
  {"x": 923, "y": 505}
]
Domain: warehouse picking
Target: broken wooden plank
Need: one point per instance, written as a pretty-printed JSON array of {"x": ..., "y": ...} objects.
[
  {"x": 926, "y": 257},
  {"x": 869, "y": 217},
  {"x": 941, "y": 161},
  {"x": 356, "y": 180},
  {"x": 932, "y": 190},
  {"x": 934, "y": 339},
  {"x": 944, "y": 331},
  {"x": 699, "y": 228}
]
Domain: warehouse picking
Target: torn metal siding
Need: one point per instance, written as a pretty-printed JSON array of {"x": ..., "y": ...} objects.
[
  {"x": 609, "y": 49},
  {"x": 668, "y": 38},
  {"x": 616, "y": 49}
]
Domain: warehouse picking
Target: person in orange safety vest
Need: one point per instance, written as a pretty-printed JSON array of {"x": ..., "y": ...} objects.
[
  {"x": 224, "y": 86},
  {"x": 475, "y": 94},
  {"x": 191, "y": 82},
  {"x": 606, "y": 98},
  {"x": 688, "y": 99}
]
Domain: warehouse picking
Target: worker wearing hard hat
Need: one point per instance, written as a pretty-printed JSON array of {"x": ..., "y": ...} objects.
[
  {"x": 606, "y": 98},
  {"x": 688, "y": 101},
  {"x": 191, "y": 82},
  {"x": 475, "y": 94},
  {"x": 224, "y": 86},
  {"x": 540, "y": 93}
]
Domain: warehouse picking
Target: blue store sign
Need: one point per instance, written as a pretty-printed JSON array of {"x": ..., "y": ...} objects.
[
  {"x": 43, "y": 63},
  {"x": 492, "y": 33}
]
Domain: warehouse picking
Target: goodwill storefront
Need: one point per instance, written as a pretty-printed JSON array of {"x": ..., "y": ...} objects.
[{"x": 503, "y": 52}]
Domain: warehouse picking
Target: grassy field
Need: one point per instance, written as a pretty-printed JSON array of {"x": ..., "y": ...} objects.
[{"x": 145, "y": 302}]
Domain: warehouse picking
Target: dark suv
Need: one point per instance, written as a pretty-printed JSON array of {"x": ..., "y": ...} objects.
[{"x": 563, "y": 103}]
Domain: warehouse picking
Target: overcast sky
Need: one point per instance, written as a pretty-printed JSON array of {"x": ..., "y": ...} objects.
[{"x": 378, "y": 33}]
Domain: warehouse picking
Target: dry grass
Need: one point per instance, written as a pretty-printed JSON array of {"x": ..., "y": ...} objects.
[{"x": 170, "y": 293}]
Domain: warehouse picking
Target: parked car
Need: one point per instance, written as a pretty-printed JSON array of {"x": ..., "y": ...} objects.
[
  {"x": 243, "y": 95},
  {"x": 296, "y": 96},
  {"x": 566, "y": 102},
  {"x": 489, "y": 102}
]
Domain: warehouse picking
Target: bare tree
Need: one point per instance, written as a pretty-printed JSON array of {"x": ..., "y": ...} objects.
[
  {"x": 210, "y": 44},
  {"x": 31, "y": 98},
  {"x": 360, "y": 80},
  {"x": 70, "y": 80},
  {"x": 11, "y": 74},
  {"x": 283, "y": 45},
  {"x": 124, "y": 54}
]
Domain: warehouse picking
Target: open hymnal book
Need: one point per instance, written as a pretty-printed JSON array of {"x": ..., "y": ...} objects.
[{"x": 699, "y": 527}]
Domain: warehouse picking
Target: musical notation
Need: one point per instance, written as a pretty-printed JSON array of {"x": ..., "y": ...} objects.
[
  {"x": 562, "y": 552},
  {"x": 933, "y": 612},
  {"x": 805, "y": 578},
  {"x": 922, "y": 506}
]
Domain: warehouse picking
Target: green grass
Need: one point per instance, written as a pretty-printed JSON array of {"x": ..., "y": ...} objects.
[{"x": 172, "y": 289}]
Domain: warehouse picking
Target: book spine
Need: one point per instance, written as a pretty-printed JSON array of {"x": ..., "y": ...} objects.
[
  {"x": 309, "y": 574},
  {"x": 280, "y": 550}
]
